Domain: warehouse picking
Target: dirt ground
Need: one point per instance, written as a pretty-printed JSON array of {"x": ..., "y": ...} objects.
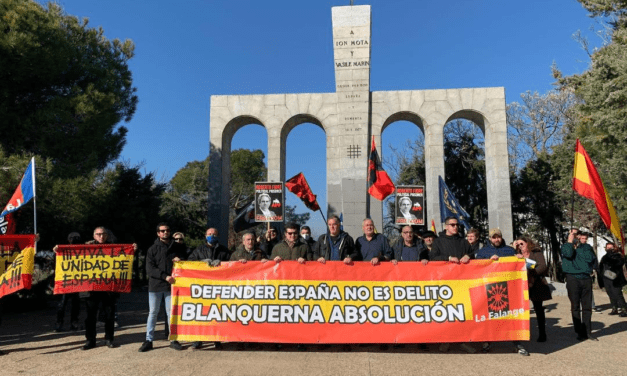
[{"x": 33, "y": 348}]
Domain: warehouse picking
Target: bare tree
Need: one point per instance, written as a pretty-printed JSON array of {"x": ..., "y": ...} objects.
[{"x": 537, "y": 124}]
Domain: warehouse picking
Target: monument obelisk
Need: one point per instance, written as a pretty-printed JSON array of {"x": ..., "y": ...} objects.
[{"x": 347, "y": 143}]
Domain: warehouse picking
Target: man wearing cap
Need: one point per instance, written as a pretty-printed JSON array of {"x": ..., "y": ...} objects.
[
  {"x": 497, "y": 248},
  {"x": 427, "y": 239},
  {"x": 577, "y": 263}
]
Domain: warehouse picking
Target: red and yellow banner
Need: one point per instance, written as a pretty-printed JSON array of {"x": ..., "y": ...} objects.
[
  {"x": 94, "y": 267},
  {"x": 588, "y": 183},
  {"x": 360, "y": 303},
  {"x": 17, "y": 258}
]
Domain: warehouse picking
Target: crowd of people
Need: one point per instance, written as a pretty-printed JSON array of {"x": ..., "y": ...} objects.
[{"x": 578, "y": 263}]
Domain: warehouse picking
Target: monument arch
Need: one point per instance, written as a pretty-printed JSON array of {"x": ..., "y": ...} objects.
[{"x": 350, "y": 117}]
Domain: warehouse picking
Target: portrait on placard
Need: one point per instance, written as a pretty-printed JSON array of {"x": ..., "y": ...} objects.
[
  {"x": 269, "y": 202},
  {"x": 409, "y": 205}
]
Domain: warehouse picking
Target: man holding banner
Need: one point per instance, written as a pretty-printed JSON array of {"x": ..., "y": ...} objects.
[
  {"x": 337, "y": 245},
  {"x": 453, "y": 248},
  {"x": 97, "y": 298},
  {"x": 371, "y": 246},
  {"x": 159, "y": 261}
]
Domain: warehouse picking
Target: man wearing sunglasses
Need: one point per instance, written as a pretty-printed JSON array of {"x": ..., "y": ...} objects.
[
  {"x": 453, "y": 248},
  {"x": 159, "y": 260},
  {"x": 293, "y": 247}
]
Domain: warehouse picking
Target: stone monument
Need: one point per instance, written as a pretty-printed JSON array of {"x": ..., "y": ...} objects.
[{"x": 350, "y": 117}]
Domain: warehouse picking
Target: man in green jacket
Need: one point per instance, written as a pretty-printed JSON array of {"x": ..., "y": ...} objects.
[
  {"x": 577, "y": 261},
  {"x": 292, "y": 248}
]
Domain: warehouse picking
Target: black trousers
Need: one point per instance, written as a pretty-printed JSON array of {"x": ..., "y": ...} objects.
[
  {"x": 615, "y": 294},
  {"x": 74, "y": 308},
  {"x": 580, "y": 295},
  {"x": 107, "y": 300},
  {"x": 540, "y": 316}
]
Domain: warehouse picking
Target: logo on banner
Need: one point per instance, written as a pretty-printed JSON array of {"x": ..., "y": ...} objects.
[{"x": 498, "y": 299}]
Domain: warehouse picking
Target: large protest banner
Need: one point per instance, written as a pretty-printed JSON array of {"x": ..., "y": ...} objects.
[
  {"x": 94, "y": 267},
  {"x": 18, "y": 260},
  {"x": 360, "y": 303}
]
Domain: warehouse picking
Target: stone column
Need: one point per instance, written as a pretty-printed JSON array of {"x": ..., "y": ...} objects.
[{"x": 348, "y": 141}]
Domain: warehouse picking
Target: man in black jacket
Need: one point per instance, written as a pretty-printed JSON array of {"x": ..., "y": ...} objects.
[
  {"x": 337, "y": 246},
  {"x": 159, "y": 260},
  {"x": 212, "y": 253},
  {"x": 409, "y": 248},
  {"x": 453, "y": 248}
]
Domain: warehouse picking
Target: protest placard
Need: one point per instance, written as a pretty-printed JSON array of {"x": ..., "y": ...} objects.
[
  {"x": 269, "y": 201},
  {"x": 360, "y": 303},
  {"x": 18, "y": 260},
  {"x": 94, "y": 267},
  {"x": 410, "y": 202}
]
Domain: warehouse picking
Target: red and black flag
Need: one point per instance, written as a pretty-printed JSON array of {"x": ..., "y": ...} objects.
[
  {"x": 379, "y": 183},
  {"x": 298, "y": 185}
]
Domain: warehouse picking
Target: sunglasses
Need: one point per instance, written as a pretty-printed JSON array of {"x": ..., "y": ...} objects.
[
  {"x": 178, "y": 239},
  {"x": 291, "y": 233}
]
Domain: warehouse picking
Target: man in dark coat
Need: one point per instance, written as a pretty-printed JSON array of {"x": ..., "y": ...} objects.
[
  {"x": 611, "y": 277},
  {"x": 160, "y": 258},
  {"x": 305, "y": 233},
  {"x": 247, "y": 251},
  {"x": 212, "y": 253},
  {"x": 269, "y": 240},
  {"x": 453, "y": 248},
  {"x": 450, "y": 246},
  {"x": 409, "y": 249},
  {"x": 337, "y": 245},
  {"x": 104, "y": 299},
  {"x": 493, "y": 251},
  {"x": 577, "y": 264},
  {"x": 473, "y": 238}
]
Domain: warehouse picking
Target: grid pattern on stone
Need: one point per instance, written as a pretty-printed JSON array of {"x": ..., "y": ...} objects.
[{"x": 353, "y": 151}]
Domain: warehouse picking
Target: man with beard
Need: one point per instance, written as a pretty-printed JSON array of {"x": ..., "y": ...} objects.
[{"x": 497, "y": 248}]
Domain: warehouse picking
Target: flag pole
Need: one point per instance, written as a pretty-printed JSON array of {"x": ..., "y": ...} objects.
[
  {"x": 34, "y": 203},
  {"x": 327, "y": 232},
  {"x": 572, "y": 196}
]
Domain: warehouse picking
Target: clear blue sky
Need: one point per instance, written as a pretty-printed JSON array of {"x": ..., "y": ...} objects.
[{"x": 188, "y": 50}]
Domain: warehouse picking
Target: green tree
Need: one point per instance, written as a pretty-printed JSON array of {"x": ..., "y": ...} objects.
[
  {"x": 185, "y": 200},
  {"x": 602, "y": 90},
  {"x": 464, "y": 165},
  {"x": 65, "y": 87},
  {"x": 292, "y": 216}
]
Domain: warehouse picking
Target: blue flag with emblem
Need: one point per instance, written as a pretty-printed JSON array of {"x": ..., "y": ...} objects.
[{"x": 449, "y": 207}]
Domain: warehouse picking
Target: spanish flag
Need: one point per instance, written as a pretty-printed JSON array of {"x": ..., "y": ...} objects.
[{"x": 587, "y": 183}]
